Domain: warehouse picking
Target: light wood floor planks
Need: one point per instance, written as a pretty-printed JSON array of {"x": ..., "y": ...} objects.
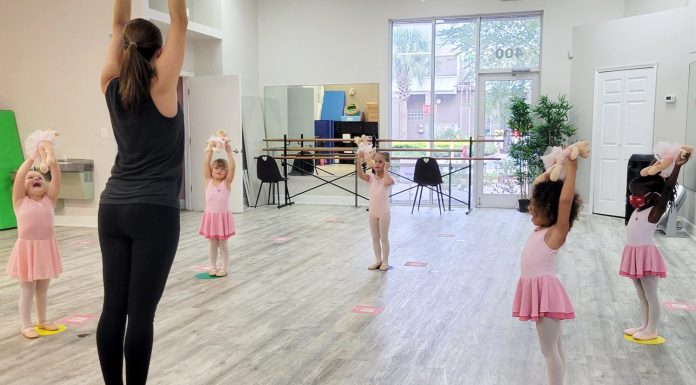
[{"x": 283, "y": 315}]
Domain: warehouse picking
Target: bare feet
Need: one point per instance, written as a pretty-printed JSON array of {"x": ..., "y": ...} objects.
[
  {"x": 212, "y": 272},
  {"x": 384, "y": 266},
  {"x": 30, "y": 333},
  {"x": 645, "y": 335},
  {"x": 632, "y": 331},
  {"x": 375, "y": 265},
  {"x": 221, "y": 273}
]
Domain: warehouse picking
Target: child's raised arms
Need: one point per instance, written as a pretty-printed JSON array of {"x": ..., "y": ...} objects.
[
  {"x": 556, "y": 236},
  {"x": 54, "y": 186},
  {"x": 359, "y": 169},
  {"x": 659, "y": 209},
  {"x": 231, "y": 166},
  {"x": 207, "y": 168},
  {"x": 18, "y": 189}
]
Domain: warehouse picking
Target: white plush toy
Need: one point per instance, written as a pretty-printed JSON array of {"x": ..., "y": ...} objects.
[
  {"x": 218, "y": 141},
  {"x": 44, "y": 142},
  {"x": 365, "y": 148},
  {"x": 554, "y": 161},
  {"x": 665, "y": 154}
]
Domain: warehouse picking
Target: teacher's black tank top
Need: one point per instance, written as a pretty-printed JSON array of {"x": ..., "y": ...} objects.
[{"x": 149, "y": 162}]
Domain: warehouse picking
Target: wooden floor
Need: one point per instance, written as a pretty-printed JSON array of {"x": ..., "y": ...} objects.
[{"x": 283, "y": 315}]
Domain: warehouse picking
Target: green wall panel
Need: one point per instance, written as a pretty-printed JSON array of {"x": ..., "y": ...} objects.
[{"x": 11, "y": 158}]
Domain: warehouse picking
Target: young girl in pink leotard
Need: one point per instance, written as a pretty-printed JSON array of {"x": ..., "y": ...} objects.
[
  {"x": 35, "y": 259},
  {"x": 380, "y": 187},
  {"x": 217, "y": 223},
  {"x": 641, "y": 260},
  {"x": 540, "y": 295}
]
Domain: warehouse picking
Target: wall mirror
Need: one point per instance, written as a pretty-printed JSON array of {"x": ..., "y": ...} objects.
[
  {"x": 320, "y": 112},
  {"x": 690, "y": 170}
]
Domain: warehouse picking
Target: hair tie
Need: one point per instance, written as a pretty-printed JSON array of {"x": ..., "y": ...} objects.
[{"x": 132, "y": 43}]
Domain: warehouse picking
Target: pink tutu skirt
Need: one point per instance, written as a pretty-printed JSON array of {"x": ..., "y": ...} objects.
[
  {"x": 217, "y": 225},
  {"x": 641, "y": 261},
  {"x": 542, "y": 296},
  {"x": 32, "y": 260}
]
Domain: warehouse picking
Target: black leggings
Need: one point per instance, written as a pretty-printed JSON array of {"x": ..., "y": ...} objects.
[{"x": 138, "y": 243}]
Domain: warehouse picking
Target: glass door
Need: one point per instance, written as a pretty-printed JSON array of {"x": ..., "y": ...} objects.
[{"x": 495, "y": 179}]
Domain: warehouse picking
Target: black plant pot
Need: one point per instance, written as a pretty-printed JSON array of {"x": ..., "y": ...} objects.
[{"x": 523, "y": 205}]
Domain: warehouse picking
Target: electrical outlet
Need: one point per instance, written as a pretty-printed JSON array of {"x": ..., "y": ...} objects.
[{"x": 104, "y": 132}]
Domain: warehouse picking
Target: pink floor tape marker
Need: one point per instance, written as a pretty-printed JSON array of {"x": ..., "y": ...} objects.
[
  {"x": 446, "y": 235},
  {"x": 85, "y": 242},
  {"x": 77, "y": 320},
  {"x": 679, "y": 306},
  {"x": 201, "y": 268},
  {"x": 280, "y": 239},
  {"x": 416, "y": 264},
  {"x": 364, "y": 309}
]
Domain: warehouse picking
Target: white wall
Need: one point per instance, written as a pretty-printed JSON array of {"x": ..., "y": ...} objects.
[
  {"x": 50, "y": 66},
  {"x": 642, "y": 7},
  {"x": 240, "y": 43},
  {"x": 322, "y": 42},
  {"x": 51, "y": 62},
  {"x": 652, "y": 38}
]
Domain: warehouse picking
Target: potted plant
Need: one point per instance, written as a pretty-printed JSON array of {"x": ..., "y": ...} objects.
[
  {"x": 522, "y": 150},
  {"x": 531, "y": 141}
]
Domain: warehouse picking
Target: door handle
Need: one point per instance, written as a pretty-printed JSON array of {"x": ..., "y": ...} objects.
[{"x": 235, "y": 151}]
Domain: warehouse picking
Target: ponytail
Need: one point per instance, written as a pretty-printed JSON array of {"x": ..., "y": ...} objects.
[{"x": 141, "y": 40}]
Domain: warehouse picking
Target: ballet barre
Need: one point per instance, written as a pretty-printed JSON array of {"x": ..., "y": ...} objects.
[
  {"x": 348, "y": 153},
  {"x": 451, "y": 171}
]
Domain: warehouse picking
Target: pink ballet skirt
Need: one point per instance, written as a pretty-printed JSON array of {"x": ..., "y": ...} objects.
[
  {"x": 542, "y": 296},
  {"x": 218, "y": 225},
  {"x": 539, "y": 292},
  {"x": 35, "y": 254},
  {"x": 32, "y": 260},
  {"x": 641, "y": 261},
  {"x": 640, "y": 256}
]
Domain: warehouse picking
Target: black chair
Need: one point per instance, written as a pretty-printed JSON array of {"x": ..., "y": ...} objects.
[
  {"x": 427, "y": 173},
  {"x": 267, "y": 171},
  {"x": 303, "y": 166}
]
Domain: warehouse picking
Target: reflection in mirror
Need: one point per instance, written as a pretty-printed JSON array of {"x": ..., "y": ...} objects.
[
  {"x": 321, "y": 112},
  {"x": 690, "y": 171}
]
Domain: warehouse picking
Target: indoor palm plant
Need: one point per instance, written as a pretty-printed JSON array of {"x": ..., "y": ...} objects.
[{"x": 532, "y": 140}]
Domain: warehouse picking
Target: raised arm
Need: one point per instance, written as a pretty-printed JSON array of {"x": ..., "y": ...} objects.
[
  {"x": 18, "y": 191},
  {"x": 114, "y": 54},
  {"x": 659, "y": 209},
  {"x": 207, "y": 158},
  {"x": 556, "y": 235},
  {"x": 388, "y": 181},
  {"x": 359, "y": 169},
  {"x": 231, "y": 166},
  {"x": 168, "y": 65},
  {"x": 54, "y": 186}
]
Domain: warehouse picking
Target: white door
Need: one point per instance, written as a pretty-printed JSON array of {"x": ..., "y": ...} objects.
[
  {"x": 495, "y": 180},
  {"x": 214, "y": 102},
  {"x": 624, "y": 107}
]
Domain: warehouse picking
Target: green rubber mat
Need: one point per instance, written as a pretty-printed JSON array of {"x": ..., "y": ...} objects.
[{"x": 11, "y": 158}]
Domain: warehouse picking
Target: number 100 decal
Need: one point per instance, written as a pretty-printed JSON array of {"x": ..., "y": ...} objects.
[{"x": 508, "y": 53}]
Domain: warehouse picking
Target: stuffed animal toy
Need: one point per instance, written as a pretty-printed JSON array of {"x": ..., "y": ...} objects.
[
  {"x": 44, "y": 142},
  {"x": 365, "y": 148},
  {"x": 665, "y": 154},
  {"x": 218, "y": 141},
  {"x": 554, "y": 161}
]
